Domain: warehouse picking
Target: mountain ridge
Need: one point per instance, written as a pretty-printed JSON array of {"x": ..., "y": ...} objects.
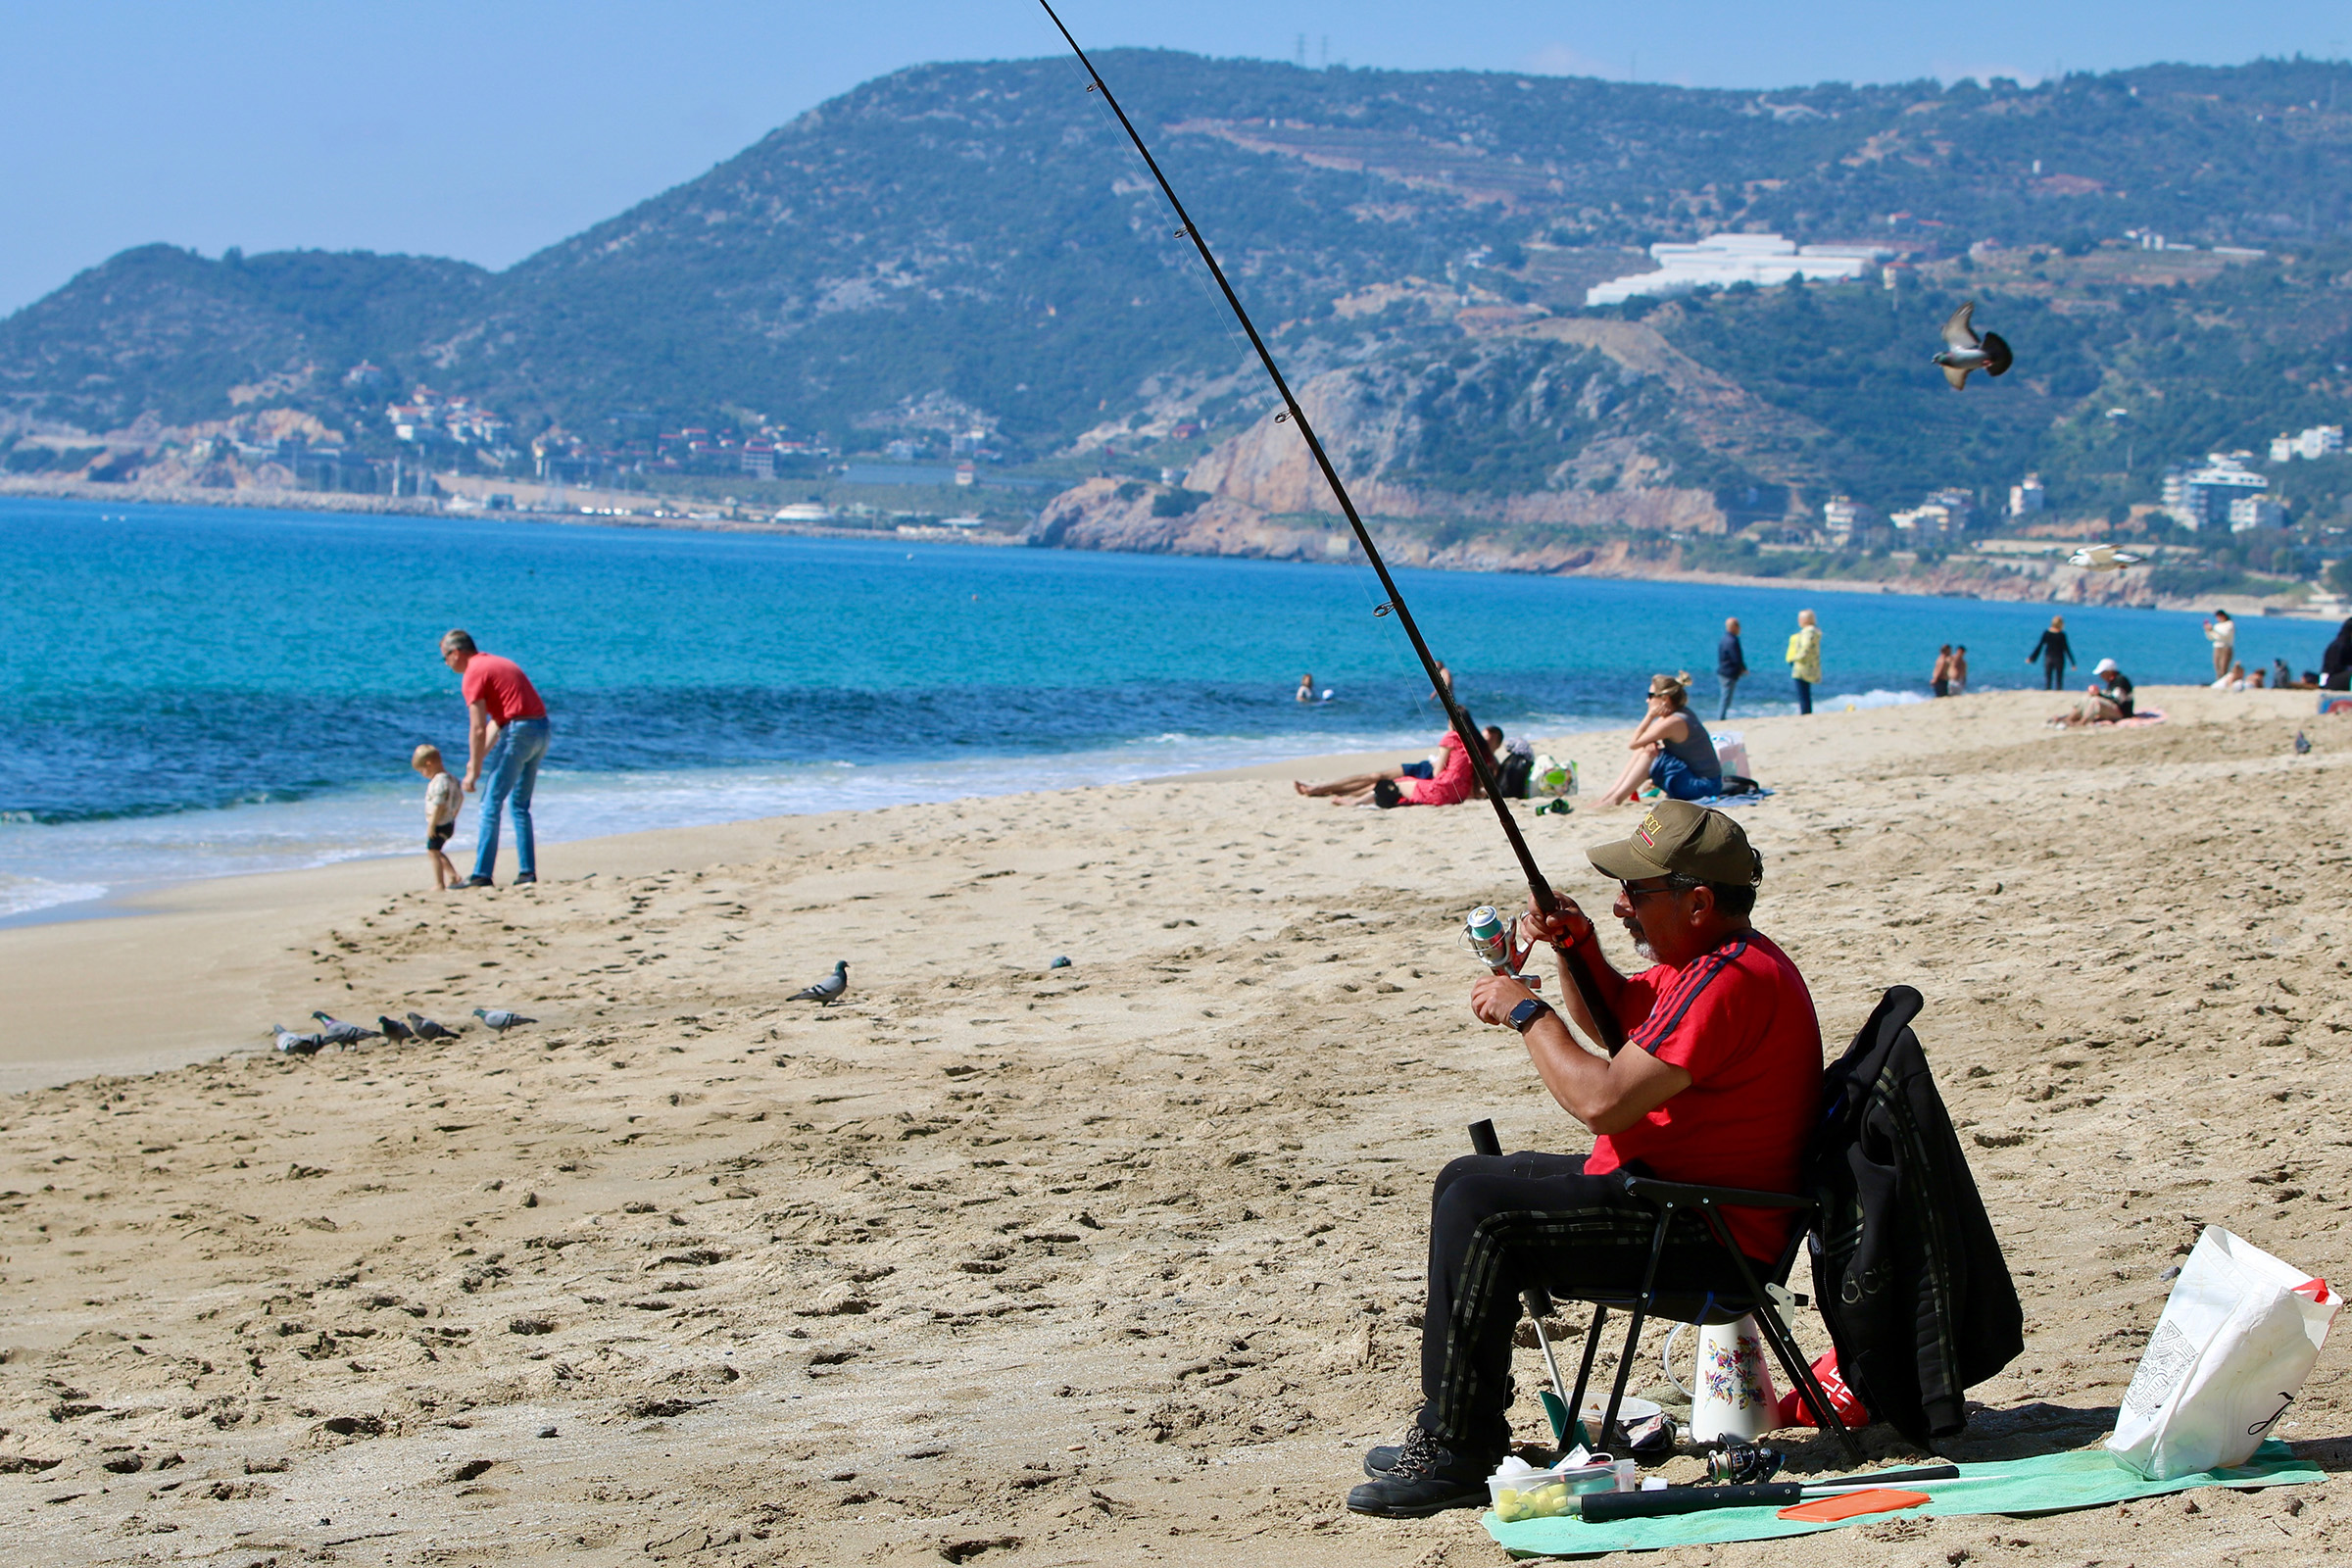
[{"x": 971, "y": 246}]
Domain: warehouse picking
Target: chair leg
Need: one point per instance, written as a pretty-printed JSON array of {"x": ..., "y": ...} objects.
[
  {"x": 1793, "y": 1361},
  {"x": 1782, "y": 1340},
  {"x": 1584, "y": 1373},
  {"x": 1633, "y": 1335}
]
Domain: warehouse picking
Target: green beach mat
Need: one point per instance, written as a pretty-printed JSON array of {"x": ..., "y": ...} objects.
[{"x": 2053, "y": 1483}]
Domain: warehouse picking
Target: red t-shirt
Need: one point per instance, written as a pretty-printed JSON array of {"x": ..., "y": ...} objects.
[
  {"x": 1451, "y": 783},
  {"x": 502, "y": 688},
  {"x": 1741, "y": 1023}
]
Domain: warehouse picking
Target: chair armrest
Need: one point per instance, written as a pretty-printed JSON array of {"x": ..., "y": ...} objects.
[{"x": 1690, "y": 1193}]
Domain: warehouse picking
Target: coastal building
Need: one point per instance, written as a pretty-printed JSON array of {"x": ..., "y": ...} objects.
[
  {"x": 759, "y": 458},
  {"x": 2318, "y": 441},
  {"x": 1848, "y": 524},
  {"x": 1944, "y": 516},
  {"x": 1721, "y": 259},
  {"x": 429, "y": 417},
  {"x": 2197, "y": 495},
  {"x": 2251, "y": 511},
  {"x": 2027, "y": 497},
  {"x": 965, "y": 474}
]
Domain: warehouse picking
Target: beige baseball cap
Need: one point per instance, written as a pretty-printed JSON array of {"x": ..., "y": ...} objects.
[{"x": 1675, "y": 838}]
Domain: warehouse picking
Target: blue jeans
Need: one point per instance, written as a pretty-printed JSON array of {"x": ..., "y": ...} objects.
[
  {"x": 1672, "y": 774},
  {"x": 1804, "y": 697},
  {"x": 511, "y": 769}
]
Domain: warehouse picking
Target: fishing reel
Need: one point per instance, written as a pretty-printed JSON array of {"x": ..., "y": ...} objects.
[
  {"x": 1741, "y": 1464},
  {"x": 1495, "y": 942}
]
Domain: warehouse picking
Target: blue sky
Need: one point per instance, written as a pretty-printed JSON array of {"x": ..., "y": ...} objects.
[{"x": 488, "y": 129}]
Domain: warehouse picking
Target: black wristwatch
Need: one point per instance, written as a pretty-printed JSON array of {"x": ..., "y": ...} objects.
[{"x": 1524, "y": 1015}]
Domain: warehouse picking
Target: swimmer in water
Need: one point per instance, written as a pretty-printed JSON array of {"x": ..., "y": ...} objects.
[{"x": 1306, "y": 687}]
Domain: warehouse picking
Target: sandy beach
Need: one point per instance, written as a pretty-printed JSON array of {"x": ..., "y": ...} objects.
[{"x": 1115, "y": 1263}]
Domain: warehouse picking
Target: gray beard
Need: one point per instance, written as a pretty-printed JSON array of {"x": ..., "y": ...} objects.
[{"x": 1641, "y": 948}]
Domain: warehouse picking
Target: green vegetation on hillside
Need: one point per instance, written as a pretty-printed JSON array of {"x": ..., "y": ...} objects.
[{"x": 975, "y": 245}]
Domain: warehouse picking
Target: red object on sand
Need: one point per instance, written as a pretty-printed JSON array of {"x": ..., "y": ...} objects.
[{"x": 1796, "y": 1412}]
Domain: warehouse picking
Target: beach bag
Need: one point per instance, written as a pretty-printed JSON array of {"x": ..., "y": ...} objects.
[
  {"x": 2238, "y": 1336},
  {"x": 1797, "y": 1411},
  {"x": 1516, "y": 771},
  {"x": 1551, "y": 777},
  {"x": 1731, "y": 750}
]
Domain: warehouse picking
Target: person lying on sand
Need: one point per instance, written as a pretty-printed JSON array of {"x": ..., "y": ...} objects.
[
  {"x": 1358, "y": 789},
  {"x": 2104, "y": 703},
  {"x": 1719, "y": 1082},
  {"x": 1453, "y": 781},
  {"x": 1671, "y": 749}
]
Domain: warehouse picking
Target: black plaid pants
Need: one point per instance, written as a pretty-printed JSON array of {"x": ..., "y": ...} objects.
[{"x": 1499, "y": 1224}]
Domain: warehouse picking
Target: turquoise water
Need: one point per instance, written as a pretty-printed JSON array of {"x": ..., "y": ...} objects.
[{"x": 187, "y": 691}]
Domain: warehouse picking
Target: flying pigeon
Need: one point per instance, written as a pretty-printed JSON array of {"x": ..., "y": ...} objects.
[
  {"x": 290, "y": 1044},
  {"x": 2103, "y": 558},
  {"x": 426, "y": 1029},
  {"x": 828, "y": 990},
  {"x": 335, "y": 1032},
  {"x": 500, "y": 1020},
  {"x": 393, "y": 1028},
  {"x": 1964, "y": 351}
]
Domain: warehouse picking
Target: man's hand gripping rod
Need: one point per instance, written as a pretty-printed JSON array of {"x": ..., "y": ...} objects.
[{"x": 1473, "y": 745}]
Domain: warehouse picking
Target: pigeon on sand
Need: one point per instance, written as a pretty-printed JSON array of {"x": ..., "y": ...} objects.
[
  {"x": 500, "y": 1020},
  {"x": 335, "y": 1032},
  {"x": 393, "y": 1028},
  {"x": 830, "y": 989},
  {"x": 426, "y": 1029},
  {"x": 290, "y": 1044},
  {"x": 1964, "y": 351}
]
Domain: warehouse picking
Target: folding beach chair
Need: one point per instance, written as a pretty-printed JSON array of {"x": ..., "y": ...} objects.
[{"x": 1769, "y": 1302}]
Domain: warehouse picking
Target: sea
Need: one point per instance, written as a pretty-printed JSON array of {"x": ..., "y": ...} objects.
[{"x": 192, "y": 692}]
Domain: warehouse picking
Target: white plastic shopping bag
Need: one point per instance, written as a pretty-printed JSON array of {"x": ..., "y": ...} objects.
[{"x": 2238, "y": 1336}]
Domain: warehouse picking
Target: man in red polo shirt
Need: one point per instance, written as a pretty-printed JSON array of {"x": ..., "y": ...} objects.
[
  {"x": 506, "y": 733},
  {"x": 1719, "y": 1083}
]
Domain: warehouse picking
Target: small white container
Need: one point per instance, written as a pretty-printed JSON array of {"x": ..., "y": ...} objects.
[{"x": 1551, "y": 1494}]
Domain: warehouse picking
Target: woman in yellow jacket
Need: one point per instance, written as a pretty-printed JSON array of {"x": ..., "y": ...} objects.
[{"x": 1804, "y": 659}]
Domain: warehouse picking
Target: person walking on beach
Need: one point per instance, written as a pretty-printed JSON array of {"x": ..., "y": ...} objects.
[
  {"x": 1731, "y": 662},
  {"x": 2055, "y": 654},
  {"x": 2222, "y": 632},
  {"x": 1804, "y": 658},
  {"x": 1942, "y": 681},
  {"x": 442, "y": 802},
  {"x": 506, "y": 733}
]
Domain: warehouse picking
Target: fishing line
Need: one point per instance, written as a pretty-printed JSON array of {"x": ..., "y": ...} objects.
[
  {"x": 1381, "y": 656},
  {"x": 1473, "y": 745}
]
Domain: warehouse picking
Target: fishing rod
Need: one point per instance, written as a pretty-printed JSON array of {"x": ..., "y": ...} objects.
[{"x": 1474, "y": 746}]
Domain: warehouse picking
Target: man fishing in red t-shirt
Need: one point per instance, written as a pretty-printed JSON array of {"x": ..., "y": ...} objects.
[{"x": 1720, "y": 1084}]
